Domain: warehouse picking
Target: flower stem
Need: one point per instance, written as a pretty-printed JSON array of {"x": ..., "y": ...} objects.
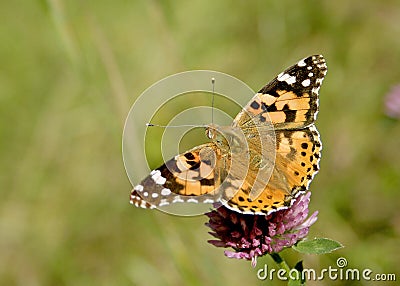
[{"x": 281, "y": 262}]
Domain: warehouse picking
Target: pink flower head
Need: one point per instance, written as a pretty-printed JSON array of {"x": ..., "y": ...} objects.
[
  {"x": 251, "y": 236},
  {"x": 392, "y": 102}
]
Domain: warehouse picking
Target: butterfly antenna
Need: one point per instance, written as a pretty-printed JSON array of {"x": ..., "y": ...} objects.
[
  {"x": 212, "y": 100},
  {"x": 173, "y": 126}
]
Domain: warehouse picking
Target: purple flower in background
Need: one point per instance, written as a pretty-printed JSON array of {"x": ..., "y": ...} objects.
[
  {"x": 392, "y": 102},
  {"x": 251, "y": 236}
]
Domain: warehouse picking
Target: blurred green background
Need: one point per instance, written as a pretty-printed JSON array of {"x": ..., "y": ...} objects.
[{"x": 70, "y": 71}]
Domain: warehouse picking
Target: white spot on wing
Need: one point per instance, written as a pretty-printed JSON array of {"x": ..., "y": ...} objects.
[
  {"x": 306, "y": 82},
  {"x": 165, "y": 192},
  {"x": 191, "y": 200},
  {"x": 138, "y": 188},
  {"x": 178, "y": 199},
  {"x": 161, "y": 181},
  {"x": 208, "y": 201},
  {"x": 163, "y": 202},
  {"x": 301, "y": 63},
  {"x": 316, "y": 90},
  {"x": 157, "y": 178},
  {"x": 291, "y": 80},
  {"x": 154, "y": 195},
  {"x": 286, "y": 77}
]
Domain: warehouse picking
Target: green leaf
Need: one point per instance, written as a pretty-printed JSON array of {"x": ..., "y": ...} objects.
[{"x": 317, "y": 246}]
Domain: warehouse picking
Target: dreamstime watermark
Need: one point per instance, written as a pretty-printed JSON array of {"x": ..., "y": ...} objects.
[{"x": 340, "y": 272}]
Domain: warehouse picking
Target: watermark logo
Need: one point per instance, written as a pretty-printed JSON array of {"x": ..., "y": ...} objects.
[{"x": 339, "y": 272}]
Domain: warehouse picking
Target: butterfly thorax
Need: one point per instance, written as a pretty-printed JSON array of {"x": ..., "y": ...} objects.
[
  {"x": 228, "y": 138},
  {"x": 259, "y": 150}
]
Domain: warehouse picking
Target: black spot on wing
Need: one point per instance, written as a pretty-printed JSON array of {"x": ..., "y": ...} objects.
[
  {"x": 290, "y": 114},
  {"x": 311, "y": 111},
  {"x": 270, "y": 88},
  {"x": 207, "y": 182},
  {"x": 192, "y": 162},
  {"x": 270, "y": 108},
  {"x": 189, "y": 156},
  {"x": 174, "y": 186},
  {"x": 194, "y": 165},
  {"x": 255, "y": 105}
]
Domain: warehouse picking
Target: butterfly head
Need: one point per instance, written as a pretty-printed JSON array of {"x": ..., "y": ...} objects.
[
  {"x": 227, "y": 137},
  {"x": 211, "y": 132}
]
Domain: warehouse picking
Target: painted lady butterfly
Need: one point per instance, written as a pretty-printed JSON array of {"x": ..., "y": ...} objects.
[{"x": 280, "y": 116}]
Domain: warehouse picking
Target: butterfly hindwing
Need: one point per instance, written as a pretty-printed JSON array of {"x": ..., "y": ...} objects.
[
  {"x": 296, "y": 164},
  {"x": 298, "y": 155}
]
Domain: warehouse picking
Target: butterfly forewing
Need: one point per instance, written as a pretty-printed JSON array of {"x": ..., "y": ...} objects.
[
  {"x": 190, "y": 177},
  {"x": 290, "y": 100}
]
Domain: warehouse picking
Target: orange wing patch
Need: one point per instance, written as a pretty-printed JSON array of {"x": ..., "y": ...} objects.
[
  {"x": 298, "y": 156},
  {"x": 271, "y": 199}
]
